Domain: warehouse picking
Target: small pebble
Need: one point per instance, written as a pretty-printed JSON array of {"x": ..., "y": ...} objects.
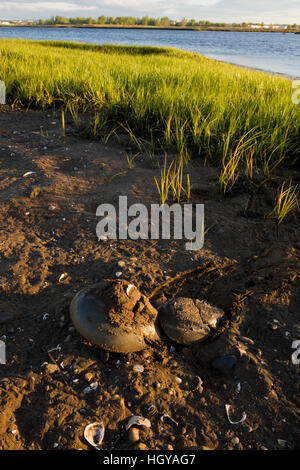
[
  {"x": 6, "y": 316},
  {"x": 51, "y": 368},
  {"x": 138, "y": 368},
  {"x": 121, "y": 264},
  {"x": 178, "y": 380},
  {"x": 88, "y": 376},
  {"x": 282, "y": 442},
  {"x": 235, "y": 441},
  {"x": 225, "y": 363},
  {"x": 140, "y": 446},
  {"x": 134, "y": 435},
  {"x": 92, "y": 387}
]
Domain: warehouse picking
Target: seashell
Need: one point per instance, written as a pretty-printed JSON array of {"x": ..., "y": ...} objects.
[
  {"x": 90, "y": 312},
  {"x": 152, "y": 410},
  {"x": 282, "y": 442},
  {"x": 187, "y": 321},
  {"x": 129, "y": 288},
  {"x": 62, "y": 277},
  {"x": 198, "y": 386},
  {"x": 244, "y": 416},
  {"x": 167, "y": 417},
  {"x": 94, "y": 434},
  {"x": 29, "y": 173},
  {"x": 177, "y": 380},
  {"x": 138, "y": 368},
  {"x": 138, "y": 421},
  {"x": 92, "y": 387}
]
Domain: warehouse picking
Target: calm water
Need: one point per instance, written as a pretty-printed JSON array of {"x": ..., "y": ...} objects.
[{"x": 272, "y": 52}]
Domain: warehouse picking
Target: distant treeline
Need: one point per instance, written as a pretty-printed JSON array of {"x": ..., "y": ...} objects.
[
  {"x": 127, "y": 20},
  {"x": 133, "y": 21}
]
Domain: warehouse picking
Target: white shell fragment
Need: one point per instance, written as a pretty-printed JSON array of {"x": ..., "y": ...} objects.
[
  {"x": 94, "y": 434},
  {"x": 57, "y": 348},
  {"x": 138, "y": 421},
  {"x": 244, "y": 416},
  {"x": 92, "y": 387},
  {"x": 62, "y": 277},
  {"x": 167, "y": 417},
  {"x": 28, "y": 173},
  {"x": 129, "y": 288},
  {"x": 282, "y": 442},
  {"x": 138, "y": 368},
  {"x": 199, "y": 384}
]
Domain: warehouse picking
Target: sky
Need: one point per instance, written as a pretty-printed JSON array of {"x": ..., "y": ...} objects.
[{"x": 269, "y": 11}]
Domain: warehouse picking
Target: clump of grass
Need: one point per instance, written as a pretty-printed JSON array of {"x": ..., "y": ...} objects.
[
  {"x": 171, "y": 180},
  {"x": 130, "y": 159},
  {"x": 176, "y": 183},
  {"x": 35, "y": 192},
  {"x": 163, "y": 186},
  {"x": 249, "y": 163},
  {"x": 231, "y": 159},
  {"x": 287, "y": 201}
]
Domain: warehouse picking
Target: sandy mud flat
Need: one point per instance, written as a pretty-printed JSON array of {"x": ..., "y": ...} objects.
[{"x": 48, "y": 229}]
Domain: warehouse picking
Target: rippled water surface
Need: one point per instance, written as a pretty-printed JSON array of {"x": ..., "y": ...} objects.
[{"x": 272, "y": 52}]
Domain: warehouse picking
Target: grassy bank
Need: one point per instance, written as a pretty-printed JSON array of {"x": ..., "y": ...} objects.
[{"x": 173, "y": 99}]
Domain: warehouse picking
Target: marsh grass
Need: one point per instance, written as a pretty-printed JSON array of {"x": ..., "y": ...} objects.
[
  {"x": 171, "y": 181},
  {"x": 287, "y": 201},
  {"x": 176, "y": 100}
]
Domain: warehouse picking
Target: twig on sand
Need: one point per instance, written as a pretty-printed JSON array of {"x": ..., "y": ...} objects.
[{"x": 201, "y": 270}]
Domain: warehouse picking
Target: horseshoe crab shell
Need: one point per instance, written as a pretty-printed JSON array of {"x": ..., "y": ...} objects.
[
  {"x": 115, "y": 316},
  {"x": 94, "y": 434},
  {"x": 187, "y": 321}
]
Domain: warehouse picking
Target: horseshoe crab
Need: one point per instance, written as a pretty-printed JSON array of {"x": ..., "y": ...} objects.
[
  {"x": 187, "y": 321},
  {"x": 115, "y": 316}
]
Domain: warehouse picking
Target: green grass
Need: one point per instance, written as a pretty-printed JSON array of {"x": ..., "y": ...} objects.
[
  {"x": 287, "y": 201},
  {"x": 177, "y": 100}
]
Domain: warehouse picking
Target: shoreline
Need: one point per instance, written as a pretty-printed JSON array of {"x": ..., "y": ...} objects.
[
  {"x": 172, "y": 28},
  {"x": 248, "y": 67}
]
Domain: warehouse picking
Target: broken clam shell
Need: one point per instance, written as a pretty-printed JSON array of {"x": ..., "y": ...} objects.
[
  {"x": 187, "y": 321},
  {"x": 138, "y": 421},
  {"x": 94, "y": 434},
  {"x": 115, "y": 316},
  {"x": 244, "y": 416}
]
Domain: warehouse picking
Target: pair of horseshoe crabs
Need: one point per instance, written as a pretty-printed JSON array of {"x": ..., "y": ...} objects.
[{"x": 114, "y": 315}]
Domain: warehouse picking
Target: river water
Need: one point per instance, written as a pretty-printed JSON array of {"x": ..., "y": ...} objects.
[{"x": 271, "y": 52}]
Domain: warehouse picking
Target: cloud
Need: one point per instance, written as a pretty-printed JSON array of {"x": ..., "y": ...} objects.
[
  {"x": 42, "y": 6},
  {"x": 274, "y": 11}
]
